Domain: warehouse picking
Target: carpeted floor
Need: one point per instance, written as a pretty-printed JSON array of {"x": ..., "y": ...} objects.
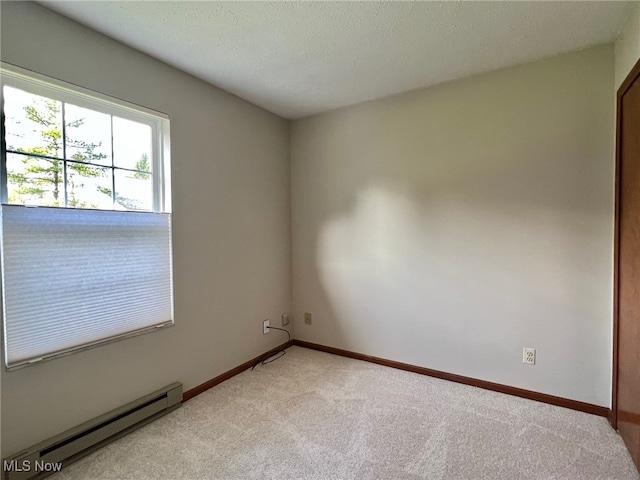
[{"x": 311, "y": 415}]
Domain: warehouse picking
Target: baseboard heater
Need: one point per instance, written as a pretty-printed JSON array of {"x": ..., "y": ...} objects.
[{"x": 50, "y": 456}]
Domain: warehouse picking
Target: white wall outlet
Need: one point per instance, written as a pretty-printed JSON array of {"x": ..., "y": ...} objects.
[
  {"x": 265, "y": 327},
  {"x": 307, "y": 318},
  {"x": 285, "y": 319},
  {"x": 529, "y": 356}
]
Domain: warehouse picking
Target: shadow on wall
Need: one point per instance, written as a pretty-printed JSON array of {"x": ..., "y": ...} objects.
[{"x": 452, "y": 226}]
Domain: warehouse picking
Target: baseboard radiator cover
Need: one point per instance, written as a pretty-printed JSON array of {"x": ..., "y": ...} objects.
[{"x": 49, "y": 456}]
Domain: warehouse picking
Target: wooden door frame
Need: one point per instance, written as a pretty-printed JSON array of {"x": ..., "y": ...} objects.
[{"x": 633, "y": 75}]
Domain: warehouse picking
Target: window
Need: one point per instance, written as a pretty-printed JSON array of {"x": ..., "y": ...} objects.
[{"x": 86, "y": 228}]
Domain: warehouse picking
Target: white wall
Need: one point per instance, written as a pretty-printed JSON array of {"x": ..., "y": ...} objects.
[
  {"x": 627, "y": 46},
  {"x": 452, "y": 226},
  {"x": 231, "y": 202}
]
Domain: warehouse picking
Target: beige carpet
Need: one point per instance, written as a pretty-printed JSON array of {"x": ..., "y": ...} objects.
[{"x": 311, "y": 415}]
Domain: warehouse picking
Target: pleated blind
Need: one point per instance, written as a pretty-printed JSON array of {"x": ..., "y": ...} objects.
[{"x": 74, "y": 278}]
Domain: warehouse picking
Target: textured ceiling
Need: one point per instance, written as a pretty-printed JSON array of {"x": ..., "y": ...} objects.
[{"x": 301, "y": 58}]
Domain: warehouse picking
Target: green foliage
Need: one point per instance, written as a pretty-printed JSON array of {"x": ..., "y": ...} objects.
[
  {"x": 143, "y": 164},
  {"x": 106, "y": 191},
  {"x": 47, "y": 175}
]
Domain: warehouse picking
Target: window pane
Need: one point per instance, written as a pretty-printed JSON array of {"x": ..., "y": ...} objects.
[
  {"x": 131, "y": 144},
  {"x": 133, "y": 190},
  {"x": 33, "y": 123},
  {"x": 34, "y": 181},
  {"x": 89, "y": 187},
  {"x": 88, "y": 135}
]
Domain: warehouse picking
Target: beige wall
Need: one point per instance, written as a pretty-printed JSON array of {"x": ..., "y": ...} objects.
[
  {"x": 627, "y": 46},
  {"x": 231, "y": 237},
  {"x": 452, "y": 226}
]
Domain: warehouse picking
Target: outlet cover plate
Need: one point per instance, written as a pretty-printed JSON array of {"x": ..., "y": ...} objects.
[
  {"x": 529, "y": 356},
  {"x": 265, "y": 327}
]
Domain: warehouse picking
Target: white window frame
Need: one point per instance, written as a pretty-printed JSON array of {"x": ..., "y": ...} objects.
[
  {"x": 58, "y": 90},
  {"x": 38, "y": 84}
]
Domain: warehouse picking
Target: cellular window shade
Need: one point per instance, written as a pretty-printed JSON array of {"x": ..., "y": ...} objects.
[{"x": 74, "y": 278}]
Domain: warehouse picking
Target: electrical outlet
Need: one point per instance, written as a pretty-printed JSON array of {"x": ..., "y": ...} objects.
[
  {"x": 307, "y": 318},
  {"x": 529, "y": 356},
  {"x": 285, "y": 319},
  {"x": 265, "y": 327}
]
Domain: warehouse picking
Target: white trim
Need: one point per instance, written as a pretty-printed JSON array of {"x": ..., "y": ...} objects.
[{"x": 165, "y": 149}]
